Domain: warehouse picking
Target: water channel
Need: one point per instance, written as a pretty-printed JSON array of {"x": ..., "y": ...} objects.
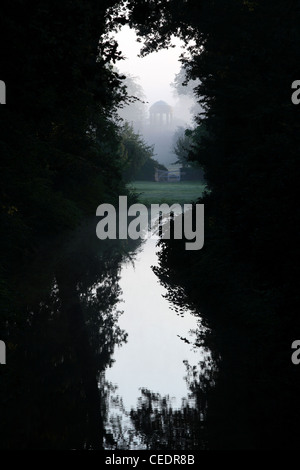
[
  {"x": 99, "y": 357},
  {"x": 160, "y": 340}
]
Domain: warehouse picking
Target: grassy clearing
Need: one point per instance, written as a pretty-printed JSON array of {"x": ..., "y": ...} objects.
[{"x": 183, "y": 192}]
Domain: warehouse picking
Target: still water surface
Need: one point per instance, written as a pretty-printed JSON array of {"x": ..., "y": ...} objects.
[
  {"x": 72, "y": 381},
  {"x": 160, "y": 340}
]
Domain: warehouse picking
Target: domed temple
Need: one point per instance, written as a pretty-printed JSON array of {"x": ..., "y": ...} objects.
[{"x": 161, "y": 113}]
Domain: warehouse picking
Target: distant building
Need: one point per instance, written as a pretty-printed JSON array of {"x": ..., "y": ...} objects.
[
  {"x": 168, "y": 175},
  {"x": 161, "y": 114}
]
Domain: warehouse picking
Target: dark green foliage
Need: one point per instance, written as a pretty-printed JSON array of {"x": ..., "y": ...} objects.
[
  {"x": 57, "y": 140},
  {"x": 245, "y": 56},
  {"x": 147, "y": 171},
  {"x": 59, "y": 147},
  {"x": 62, "y": 155},
  {"x": 61, "y": 338},
  {"x": 188, "y": 145},
  {"x": 250, "y": 150},
  {"x": 182, "y": 146},
  {"x": 135, "y": 153}
]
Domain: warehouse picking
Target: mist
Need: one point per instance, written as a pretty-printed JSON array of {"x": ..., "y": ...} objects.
[{"x": 152, "y": 80}]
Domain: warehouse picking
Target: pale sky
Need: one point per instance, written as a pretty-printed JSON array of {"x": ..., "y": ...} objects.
[{"x": 156, "y": 71}]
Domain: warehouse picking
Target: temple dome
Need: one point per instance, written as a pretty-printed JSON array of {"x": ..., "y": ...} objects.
[{"x": 160, "y": 106}]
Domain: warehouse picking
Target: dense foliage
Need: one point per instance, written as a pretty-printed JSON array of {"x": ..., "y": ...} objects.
[
  {"x": 63, "y": 149},
  {"x": 137, "y": 156},
  {"x": 63, "y": 154},
  {"x": 245, "y": 280},
  {"x": 250, "y": 152}
]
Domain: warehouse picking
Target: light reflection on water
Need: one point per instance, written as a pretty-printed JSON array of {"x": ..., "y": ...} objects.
[{"x": 153, "y": 358}]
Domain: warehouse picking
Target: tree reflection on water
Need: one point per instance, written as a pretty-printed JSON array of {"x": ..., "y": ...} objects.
[
  {"x": 60, "y": 342},
  {"x": 63, "y": 338}
]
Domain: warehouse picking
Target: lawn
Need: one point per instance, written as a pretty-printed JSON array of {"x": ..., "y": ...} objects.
[{"x": 182, "y": 192}]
